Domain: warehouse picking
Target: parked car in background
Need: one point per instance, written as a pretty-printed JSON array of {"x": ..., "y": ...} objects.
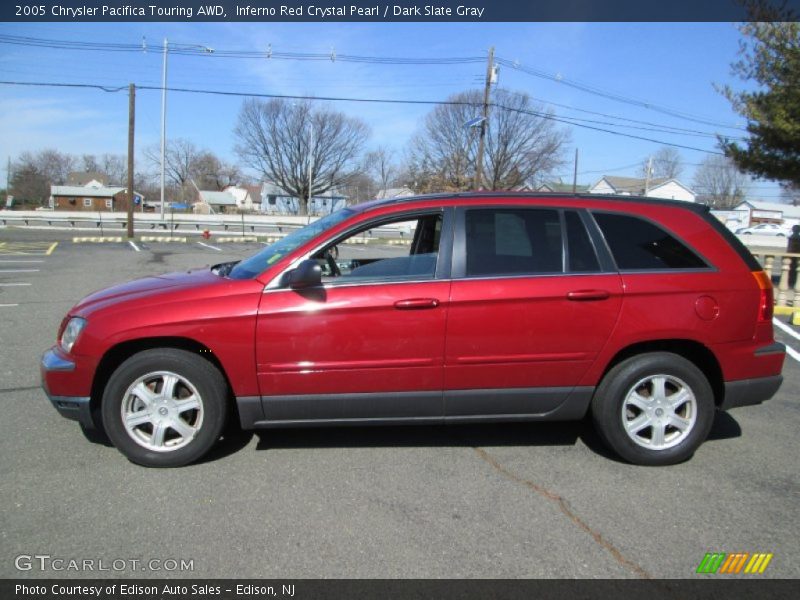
[
  {"x": 648, "y": 314},
  {"x": 766, "y": 229}
]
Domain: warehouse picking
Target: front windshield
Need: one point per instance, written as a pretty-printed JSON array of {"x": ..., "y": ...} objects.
[{"x": 258, "y": 263}]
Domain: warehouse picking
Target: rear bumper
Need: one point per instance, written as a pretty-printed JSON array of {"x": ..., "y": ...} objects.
[
  {"x": 750, "y": 391},
  {"x": 76, "y": 408}
]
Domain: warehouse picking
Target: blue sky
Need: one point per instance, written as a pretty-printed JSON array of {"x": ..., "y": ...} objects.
[{"x": 672, "y": 65}]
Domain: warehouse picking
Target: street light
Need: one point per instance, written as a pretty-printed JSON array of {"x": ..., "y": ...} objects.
[{"x": 164, "y": 109}]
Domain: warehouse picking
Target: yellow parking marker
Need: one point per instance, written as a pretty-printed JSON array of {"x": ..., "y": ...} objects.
[
  {"x": 162, "y": 238},
  {"x": 51, "y": 248},
  {"x": 98, "y": 240}
]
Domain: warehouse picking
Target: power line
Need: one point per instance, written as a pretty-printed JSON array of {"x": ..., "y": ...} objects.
[
  {"x": 269, "y": 54},
  {"x": 547, "y": 116},
  {"x": 611, "y": 95}
]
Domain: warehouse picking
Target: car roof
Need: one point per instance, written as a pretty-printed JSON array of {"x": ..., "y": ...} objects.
[{"x": 482, "y": 195}]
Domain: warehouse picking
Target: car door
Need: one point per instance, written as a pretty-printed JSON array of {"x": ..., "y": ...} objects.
[
  {"x": 368, "y": 344},
  {"x": 531, "y": 306}
]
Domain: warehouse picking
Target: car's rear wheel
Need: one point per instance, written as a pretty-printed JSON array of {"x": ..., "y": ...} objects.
[
  {"x": 654, "y": 409},
  {"x": 165, "y": 407}
]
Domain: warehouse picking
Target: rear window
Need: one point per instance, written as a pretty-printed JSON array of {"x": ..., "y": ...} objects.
[{"x": 640, "y": 245}]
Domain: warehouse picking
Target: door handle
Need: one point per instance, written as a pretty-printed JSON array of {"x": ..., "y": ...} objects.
[
  {"x": 585, "y": 295},
  {"x": 416, "y": 303}
]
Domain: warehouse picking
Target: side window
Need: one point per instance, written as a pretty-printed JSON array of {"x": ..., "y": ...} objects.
[
  {"x": 87, "y": 202},
  {"x": 406, "y": 249},
  {"x": 637, "y": 244},
  {"x": 511, "y": 241},
  {"x": 582, "y": 257}
]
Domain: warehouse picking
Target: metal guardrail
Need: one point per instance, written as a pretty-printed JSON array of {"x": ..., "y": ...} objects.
[
  {"x": 171, "y": 221},
  {"x": 242, "y": 224}
]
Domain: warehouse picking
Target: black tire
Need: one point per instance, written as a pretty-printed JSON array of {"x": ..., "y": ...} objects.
[
  {"x": 615, "y": 408},
  {"x": 185, "y": 423}
]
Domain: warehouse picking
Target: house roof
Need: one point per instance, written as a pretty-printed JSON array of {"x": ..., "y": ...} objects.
[
  {"x": 553, "y": 186},
  {"x": 271, "y": 189},
  {"x": 219, "y": 198},
  {"x": 84, "y": 177},
  {"x": 631, "y": 185},
  {"x": 668, "y": 181},
  {"x": 85, "y": 192}
]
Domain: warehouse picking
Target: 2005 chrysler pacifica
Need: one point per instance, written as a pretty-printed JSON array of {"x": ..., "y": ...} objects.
[{"x": 648, "y": 314}]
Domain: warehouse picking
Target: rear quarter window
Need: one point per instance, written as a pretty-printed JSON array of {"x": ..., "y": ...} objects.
[{"x": 640, "y": 245}]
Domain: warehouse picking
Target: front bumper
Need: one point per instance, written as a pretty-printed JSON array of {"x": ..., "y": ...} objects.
[{"x": 76, "y": 408}]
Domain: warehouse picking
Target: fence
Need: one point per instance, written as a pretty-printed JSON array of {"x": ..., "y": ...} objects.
[{"x": 783, "y": 267}]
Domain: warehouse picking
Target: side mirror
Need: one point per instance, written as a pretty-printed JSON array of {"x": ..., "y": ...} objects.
[{"x": 307, "y": 274}]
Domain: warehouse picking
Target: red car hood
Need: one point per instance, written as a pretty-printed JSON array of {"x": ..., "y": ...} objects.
[{"x": 144, "y": 289}]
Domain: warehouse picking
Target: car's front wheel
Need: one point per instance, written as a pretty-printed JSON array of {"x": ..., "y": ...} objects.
[
  {"x": 654, "y": 409},
  {"x": 164, "y": 407}
]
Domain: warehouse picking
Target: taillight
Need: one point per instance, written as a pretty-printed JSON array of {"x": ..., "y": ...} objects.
[{"x": 766, "y": 298}]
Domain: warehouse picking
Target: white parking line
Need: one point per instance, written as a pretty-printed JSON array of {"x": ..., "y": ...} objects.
[
  {"x": 19, "y": 270},
  {"x": 210, "y": 246},
  {"x": 12, "y": 284},
  {"x": 786, "y": 329},
  {"x": 8, "y": 305},
  {"x": 134, "y": 246},
  {"x": 21, "y": 261}
]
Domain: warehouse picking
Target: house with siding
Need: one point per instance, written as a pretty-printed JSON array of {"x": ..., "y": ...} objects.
[
  {"x": 215, "y": 202},
  {"x": 97, "y": 198},
  {"x": 755, "y": 212},
  {"x": 277, "y": 201},
  {"x": 248, "y": 197}
]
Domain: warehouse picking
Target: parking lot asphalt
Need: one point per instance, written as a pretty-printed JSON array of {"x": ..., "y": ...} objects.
[{"x": 519, "y": 501}]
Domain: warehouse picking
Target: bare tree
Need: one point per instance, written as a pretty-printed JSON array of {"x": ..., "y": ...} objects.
[
  {"x": 211, "y": 173},
  {"x": 187, "y": 165},
  {"x": 114, "y": 166},
  {"x": 379, "y": 164},
  {"x": 667, "y": 163},
  {"x": 34, "y": 173},
  {"x": 283, "y": 140},
  {"x": 523, "y": 144},
  {"x": 720, "y": 183}
]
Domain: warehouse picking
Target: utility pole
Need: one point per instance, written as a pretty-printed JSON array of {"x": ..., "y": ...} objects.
[
  {"x": 163, "y": 121},
  {"x": 131, "y": 129},
  {"x": 575, "y": 174},
  {"x": 647, "y": 175},
  {"x": 310, "y": 159},
  {"x": 8, "y": 183},
  {"x": 485, "y": 123}
]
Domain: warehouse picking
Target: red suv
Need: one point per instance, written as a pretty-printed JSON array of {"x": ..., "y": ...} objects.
[{"x": 440, "y": 309}]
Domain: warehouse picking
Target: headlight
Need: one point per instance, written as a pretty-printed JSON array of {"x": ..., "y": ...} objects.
[{"x": 71, "y": 333}]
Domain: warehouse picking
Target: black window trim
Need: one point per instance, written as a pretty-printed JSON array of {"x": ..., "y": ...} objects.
[
  {"x": 709, "y": 267},
  {"x": 459, "y": 261},
  {"x": 443, "y": 260}
]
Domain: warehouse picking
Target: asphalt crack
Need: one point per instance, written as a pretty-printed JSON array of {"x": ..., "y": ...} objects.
[
  {"x": 20, "y": 389},
  {"x": 563, "y": 505}
]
